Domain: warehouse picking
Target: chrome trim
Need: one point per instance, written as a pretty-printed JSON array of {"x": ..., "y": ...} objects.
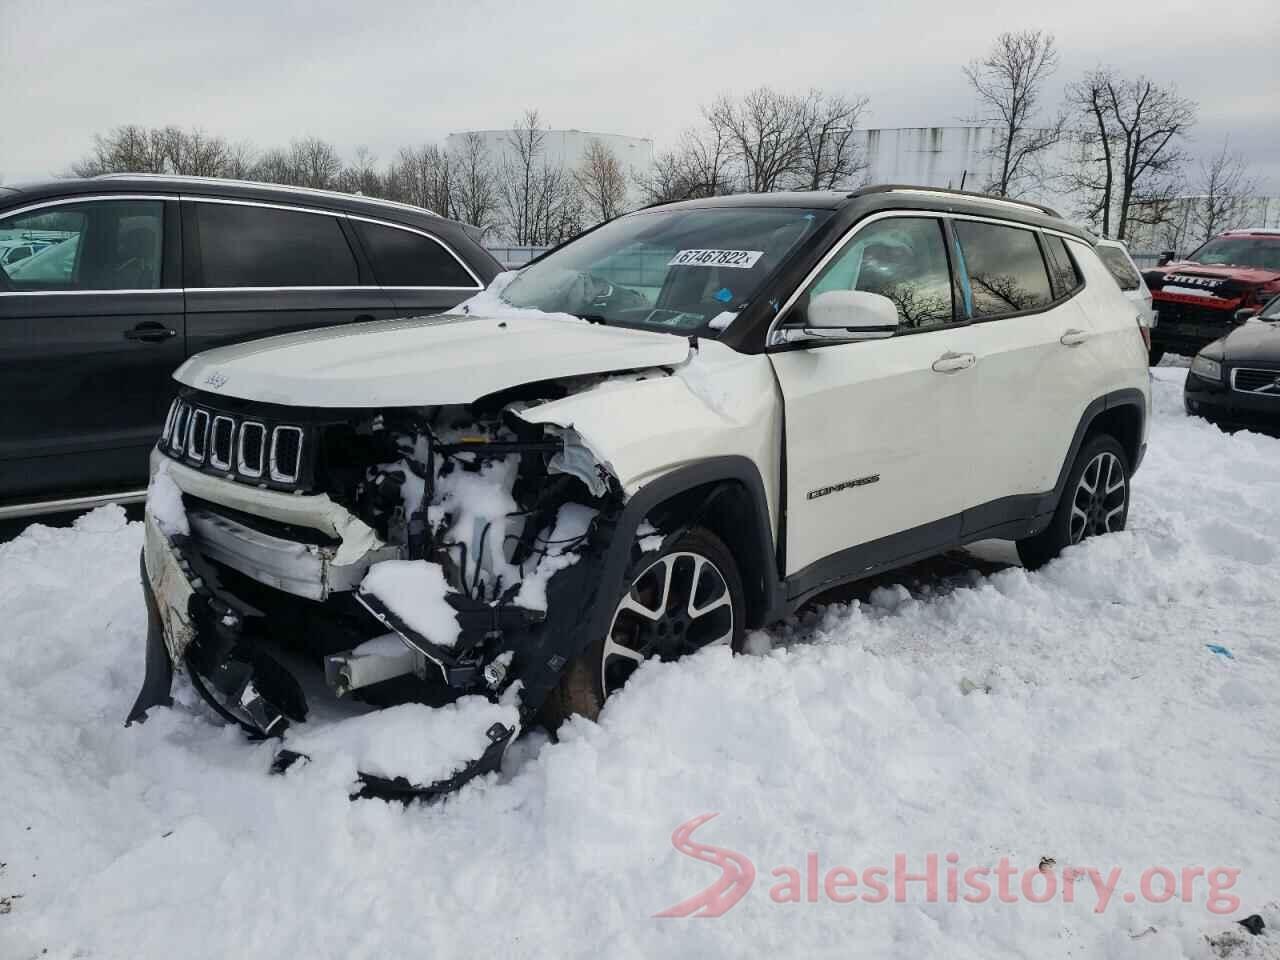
[
  {"x": 241, "y": 467},
  {"x": 325, "y": 288},
  {"x": 181, "y": 425},
  {"x": 422, "y": 233},
  {"x": 98, "y": 293},
  {"x": 1267, "y": 390},
  {"x": 180, "y": 180},
  {"x": 194, "y": 431},
  {"x": 268, "y": 204},
  {"x": 168, "y": 420},
  {"x": 213, "y": 443},
  {"x": 278, "y": 475},
  {"x": 44, "y": 507},
  {"x": 83, "y": 198}
]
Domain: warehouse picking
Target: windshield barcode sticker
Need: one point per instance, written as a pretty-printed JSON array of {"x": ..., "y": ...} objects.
[{"x": 739, "y": 259}]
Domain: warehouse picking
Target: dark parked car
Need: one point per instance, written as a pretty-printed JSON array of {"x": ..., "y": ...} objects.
[
  {"x": 141, "y": 272},
  {"x": 1235, "y": 381}
]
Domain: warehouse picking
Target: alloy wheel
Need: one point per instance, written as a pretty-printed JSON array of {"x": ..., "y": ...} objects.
[
  {"x": 1100, "y": 497},
  {"x": 680, "y": 603}
]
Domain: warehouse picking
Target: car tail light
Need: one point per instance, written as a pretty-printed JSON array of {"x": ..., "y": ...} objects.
[{"x": 1146, "y": 333}]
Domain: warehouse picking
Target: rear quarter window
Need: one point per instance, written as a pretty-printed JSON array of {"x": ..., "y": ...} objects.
[
  {"x": 403, "y": 258},
  {"x": 1118, "y": 266}
]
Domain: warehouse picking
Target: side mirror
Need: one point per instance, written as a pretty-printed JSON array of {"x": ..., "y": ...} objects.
[
  {"x": 1245, "y": 314},
  {"x": 850, "y": 315},
  {"x": 1165, "y": 258}
]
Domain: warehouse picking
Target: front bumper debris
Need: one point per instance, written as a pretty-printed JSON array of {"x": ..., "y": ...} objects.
[{"x": 195, "y": 625}]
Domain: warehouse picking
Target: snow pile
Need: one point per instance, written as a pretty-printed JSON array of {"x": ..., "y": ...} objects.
[
  {"x": 414, "y": 741},
  {"x": 1095, "y": 728},
  {"x": 415, "y": 591},
  {"x": 164, "y": 502}
]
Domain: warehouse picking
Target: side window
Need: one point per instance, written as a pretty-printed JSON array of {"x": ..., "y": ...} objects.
[
  {"x": 402, "y": 258},
  {"x": 1062, "y": 269},
  {"x": 248, "y": 246},
  {"x": 1005, "y": 269},
  {"x": 96, "y": 245},
  {"x": 1118, "y": 266},
  {"x": 902, "y": 258}
]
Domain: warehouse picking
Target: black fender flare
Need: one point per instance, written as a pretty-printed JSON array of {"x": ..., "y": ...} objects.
[
  {"x": 714, "y": 472},
  {"x": 1128, "y": 397}
]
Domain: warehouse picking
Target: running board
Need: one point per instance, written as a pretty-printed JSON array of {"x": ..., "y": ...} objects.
[{"x": 43, "y": 507}]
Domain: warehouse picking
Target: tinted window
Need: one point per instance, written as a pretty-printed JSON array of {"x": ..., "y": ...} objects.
[
  {"x": 1062, "y": 268},
  {"x": 404, "y": 259},
  {"x": 1005, "y": 270},
  {"x": 97, "y": 245},
  {"x": 902, "y": 258},
  {"x": 1120, "y": 267},
  {"x": 244, "y": 246}
]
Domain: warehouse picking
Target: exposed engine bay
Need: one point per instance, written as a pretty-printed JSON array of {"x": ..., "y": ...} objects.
[{"x": 397, "y": 556}]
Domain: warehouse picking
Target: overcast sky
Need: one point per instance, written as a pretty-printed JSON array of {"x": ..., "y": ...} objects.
[{"x": 405, "y": 71}]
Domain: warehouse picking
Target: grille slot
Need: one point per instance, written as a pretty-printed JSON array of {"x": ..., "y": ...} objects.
[
  {"x": 286, "y": 454},
  {"x": 249, "y": 455},
  {"x": 1263, "y": 382},
  {"x": 198, "y": 440},
  {"x": 178, "y": 440},
  {"x": 221, "y": 442}
]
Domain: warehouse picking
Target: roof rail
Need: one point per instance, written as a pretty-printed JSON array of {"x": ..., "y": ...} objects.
[
  {"x": 946, "y": 192},
  {"x": 262, "y": 184},
  {"x": 1267, "y": 231}
]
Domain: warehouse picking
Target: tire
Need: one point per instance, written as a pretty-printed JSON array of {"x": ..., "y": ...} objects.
[
  {"x": 1083, "y": 512},
  {"x": 1154, "y": 356},
  {"x": 718, "y": 616}
]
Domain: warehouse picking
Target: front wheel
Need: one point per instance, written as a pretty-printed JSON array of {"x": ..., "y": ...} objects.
[
  {"x": 1094, "y": 501},
  {"x": 686, "y": 598}
]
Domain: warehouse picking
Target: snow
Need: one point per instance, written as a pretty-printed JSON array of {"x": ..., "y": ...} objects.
[
  {"x": 558, "y": 544},
  {"x": 414, "y": 741},
  {"x": 164, "y": 501},
  {"x": 1075, "y": 713},
  {"x": 415, "y": 591}
]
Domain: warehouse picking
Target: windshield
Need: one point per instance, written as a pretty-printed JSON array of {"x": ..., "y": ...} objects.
[
  {"x": 1261, "y": 252},
  {"x": 674, "y": 270},
  {"x": 1271, "y": 311}
]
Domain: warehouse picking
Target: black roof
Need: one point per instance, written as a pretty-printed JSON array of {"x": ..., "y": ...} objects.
[
  {"x": 896, "y": 196},
  {"x": 231, "y": 189}
]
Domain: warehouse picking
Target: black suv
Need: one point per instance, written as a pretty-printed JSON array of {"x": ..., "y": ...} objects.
[{"x": 133, "y": 274}]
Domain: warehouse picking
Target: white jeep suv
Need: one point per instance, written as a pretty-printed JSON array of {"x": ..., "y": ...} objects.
[{"x": 675, "y": 428}]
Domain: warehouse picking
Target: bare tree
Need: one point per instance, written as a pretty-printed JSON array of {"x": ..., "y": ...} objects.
[
  {"x": 1008, "y": 82},
  {"x": 126, "y": 149},
  {"x": 538, "y": 203},
  {"x": 603, "y": 184},
  {"x": 475, "y": 189},
  {"x": 1222, "y": 193},
  {"x": 829, "y": 157},
  {"x": 314, "y": 163},
  {"x": 766, "y": 132},
  {"x": 1132, "y": 133}
]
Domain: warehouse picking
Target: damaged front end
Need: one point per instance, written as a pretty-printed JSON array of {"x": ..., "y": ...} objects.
[{"x": 303, "y": 567}]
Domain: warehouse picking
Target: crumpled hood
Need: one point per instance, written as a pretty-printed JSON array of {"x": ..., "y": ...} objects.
[
  {"x": 445, "y": 359},
  {"x": 1254, "y": 342}
]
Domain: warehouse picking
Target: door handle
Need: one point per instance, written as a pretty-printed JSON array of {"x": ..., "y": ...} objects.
[
  {"x": 150, "y": 332},
  {"x": 1073, "y": 338},
  {"x": 954, "y": 362}
]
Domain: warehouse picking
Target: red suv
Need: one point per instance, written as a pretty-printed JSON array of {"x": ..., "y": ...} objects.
[{"x": 1202, "y": 297}]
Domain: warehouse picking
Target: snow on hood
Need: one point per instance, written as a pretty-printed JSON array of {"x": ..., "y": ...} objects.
[{"x": 482, "y": 346}]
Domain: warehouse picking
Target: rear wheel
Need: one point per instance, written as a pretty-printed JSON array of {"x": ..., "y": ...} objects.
[
  {"x": 1094, "y": 501},
  {"x": 687, "y": 598}
]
